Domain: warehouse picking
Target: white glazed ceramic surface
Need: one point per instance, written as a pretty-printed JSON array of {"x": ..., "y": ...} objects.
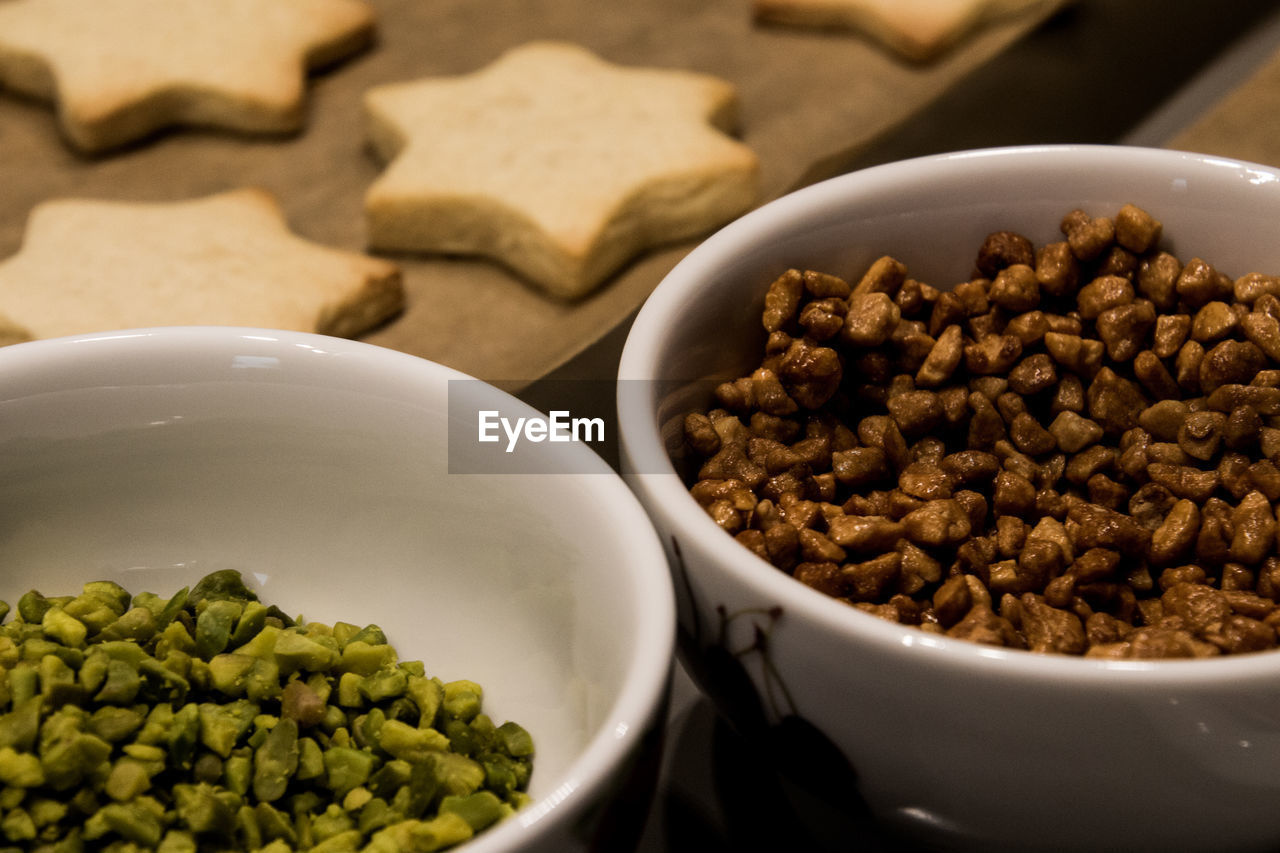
[
  {"x": 318, "y": 467},
  {"x": 951, "y": 741}
]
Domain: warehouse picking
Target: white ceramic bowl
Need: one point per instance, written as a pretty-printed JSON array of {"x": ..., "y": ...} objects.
[
  {"x": 953, "y": 742},
  {"x": 323, "y": 470}
]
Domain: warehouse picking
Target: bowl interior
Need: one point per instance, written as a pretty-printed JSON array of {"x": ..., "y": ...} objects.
[{"x": 321, "y": 469}]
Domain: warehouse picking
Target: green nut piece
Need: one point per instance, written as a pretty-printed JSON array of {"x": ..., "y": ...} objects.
[
  {"x": 410, "y": 743},
  {"x": 295, "y": 651},
  {"x": 64, "y": 627},
  {"x": 20, "y": 769},
  {"x": 275, "y": 761},
  {"x": 346, "y": 768},
  {"x": 479, "y": 810},
  {"x": 463, "y": 699}
]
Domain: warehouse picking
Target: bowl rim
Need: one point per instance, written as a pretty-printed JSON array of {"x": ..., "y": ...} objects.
[
  {"x": 649, "y": 470},
  {"x": 640, "y": 701}
]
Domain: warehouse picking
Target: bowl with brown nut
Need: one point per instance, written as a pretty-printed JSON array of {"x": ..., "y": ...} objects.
[
  {"x": 967, "y": 468},
  {"x": 268, "y": 591}
]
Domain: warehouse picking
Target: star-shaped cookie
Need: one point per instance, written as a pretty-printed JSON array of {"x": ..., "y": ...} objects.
[
  {"x": 918, "y": 30},
  {"x": 120, "y": 70},
  {"x": 222, "y": 260},
  {"x": 555, "y": 163}
]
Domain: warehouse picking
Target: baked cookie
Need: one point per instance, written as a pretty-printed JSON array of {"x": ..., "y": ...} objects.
[
  {"x": 223, "y": 260},
  {"x": 555, "y": 163},
  {"x": 918, "y": 30},
  {"x": 120, "y": 70}
]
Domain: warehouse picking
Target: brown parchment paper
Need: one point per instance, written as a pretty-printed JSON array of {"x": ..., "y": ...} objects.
[
  {"x": 1245, "y": 124},
  {"x": 809, "y": 101}
]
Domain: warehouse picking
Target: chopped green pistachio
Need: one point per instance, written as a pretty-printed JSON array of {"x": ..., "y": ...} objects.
[{"x": 212, "y": 720}]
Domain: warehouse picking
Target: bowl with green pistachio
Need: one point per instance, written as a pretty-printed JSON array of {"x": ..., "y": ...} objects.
[
  {"x": 256, "y": 597},
  {"x": 968, "y": 470}
]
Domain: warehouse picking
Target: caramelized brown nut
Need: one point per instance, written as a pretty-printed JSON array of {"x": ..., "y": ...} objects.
[
  {"x": 1088, "y": 462},
  {"x": 811, "y": 374},
  {"x": 1187, "y": 367},
  {"x": 1049, "y": 629},
  {"x": 868, "y": 581},
  {"x": 1033, "y": 374},
  {"x": 782, "y": 300},
  {"x": 948, "y": 310},
  {"x": 910, "y": 297},
  {"x": 885, "y": 275},
  {"x": 701, "y": 434},
  {"x": 1262, "y": 330},
  {"x": 1171, "y": 332},
  {"x": 1253, "y": 525},
  {"x": 1198, "y": 606},
  {"x": 824, "y": 577},
  {"x": 981, "y": 624},
  {"x": 926, "y": 480},
  {"x": 823, "y": 319},
  {"x": 1201, "y": 434},
  {"x": 1174, "y": 540},
  {"x": 1082, "y": 356},
  {"x": 1029, "y": 437},
  {"x": 860, "y": 467},
  {"x": 916, "y": 412},
  {"x": 1057, "y": 269},
  {"x": 1117, "y": 260},
  {"x": 1156, "y": 379},
  {"x": 1239, "y": 634},
  {"x": 972, "y": 296},
  {"x": 992, "y": 354},
  {"x": 1124, "y": 329},
  {"x": 1214, "y": 321},
  {"x": 1251, "y": 287},
  {"x": 1230, "y": 362},
  {"x": 1028, "y": 327},
  {"x": 1013, "y": 494},
  {"x": 816, "y": 547},
  {"x": 1213, "y": 543},
  {"x": 1068, "y": 396},
  {"x": 1098, "y": 527},
  {"x": 1015, "y": 288},
  {"x": 970, "y": 467},
  {"x": 871, "y": 318},
  {"x": 1010, "y": 405},
  {"x": 768, "y": 393},
  {"x": 1264, "y": 476},
  {"x": 937, "y": 523},
  {"x": 1103, "y": 293},
  {"x": 1087, "y": 236},
  {"x": 1184, "y": 481},
  {"x": 1264, "y": 400},
  {"x": 1157, "y": 280},
  {"x": 943, "y": 358},
  {"x": 825, "y": 286},
  {"x": 1164, "y": 419},
  {"x": 1073, "y": 433},
  {"x": 1002, "y": 249},
  {"x": 882, "y": 431},
  {"x": 952, "y": 600},
  {"x": 1137, "y": 230},
  {"x": 1114, "y": 402},
  {"x": 1199, "y": 283}
]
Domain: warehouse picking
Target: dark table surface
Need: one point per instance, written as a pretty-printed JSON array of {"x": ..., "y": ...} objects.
[{"x": 1100, "y": 71}]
